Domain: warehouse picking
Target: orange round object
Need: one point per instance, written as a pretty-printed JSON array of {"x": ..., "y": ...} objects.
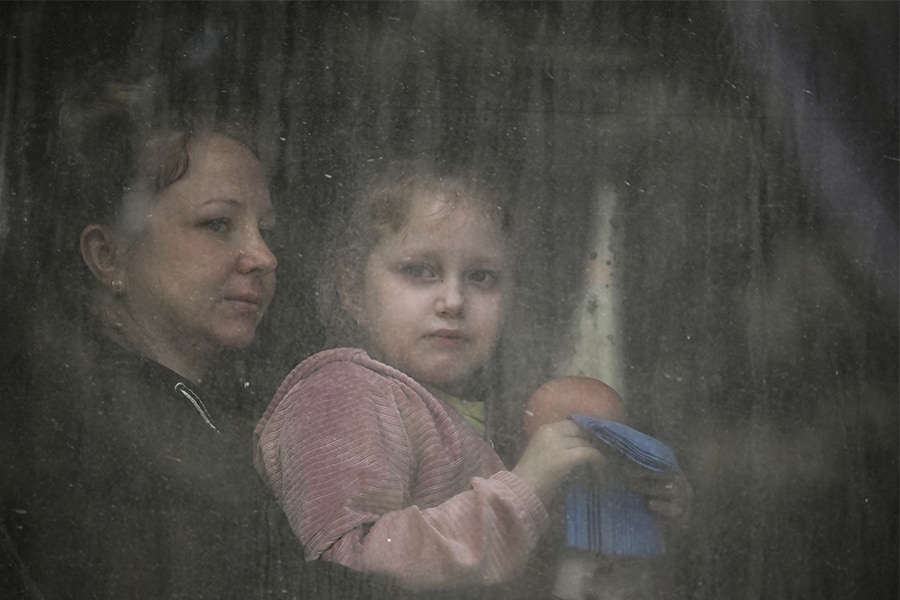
[{"x": 560, "y": 397}]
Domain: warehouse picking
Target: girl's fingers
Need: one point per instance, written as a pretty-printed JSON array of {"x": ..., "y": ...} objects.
[
  {"x": 668, "y": 494},
  {"x": 569, "y": 428},
  {"x": 661, "y": 489},
  {"x": 651, "y": 483},
  {"x": 668, "y": 510}
]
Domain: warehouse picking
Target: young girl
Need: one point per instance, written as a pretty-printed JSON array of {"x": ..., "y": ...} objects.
[{"x": 377, "y": 462}]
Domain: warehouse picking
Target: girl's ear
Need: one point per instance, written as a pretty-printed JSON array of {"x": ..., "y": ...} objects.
[
  {"x": 101, "y": 251},
  {"x": 348, "y": 294}
]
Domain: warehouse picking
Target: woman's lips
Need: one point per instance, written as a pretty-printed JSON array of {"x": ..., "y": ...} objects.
[{"x": 246, "y": 302}]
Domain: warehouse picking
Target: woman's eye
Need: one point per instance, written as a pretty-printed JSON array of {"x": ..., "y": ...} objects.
[
  {"x": 418, "y": 271},
  {"x": 217, "y": 225},
  {"x": 266, "y": 232}
]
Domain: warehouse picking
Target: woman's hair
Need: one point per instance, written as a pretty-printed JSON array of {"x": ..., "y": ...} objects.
[
  {"x": 121, "y": 131},
  {"x": 123, "y": 137},
  {"x": 380, "y": 207}
]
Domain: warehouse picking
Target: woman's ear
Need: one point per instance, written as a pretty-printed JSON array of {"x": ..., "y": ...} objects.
[
  {"x": 348, "y": 293},
  {"x": 101, "y": 250}
]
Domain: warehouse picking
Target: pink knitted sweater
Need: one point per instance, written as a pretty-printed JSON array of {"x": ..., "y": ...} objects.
[{"x": 377, "y": 474}]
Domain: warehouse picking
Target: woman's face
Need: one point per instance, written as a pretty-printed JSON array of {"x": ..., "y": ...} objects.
[
  {"x": 200, "y": 275},
  {"x": 434, "y": 294}
]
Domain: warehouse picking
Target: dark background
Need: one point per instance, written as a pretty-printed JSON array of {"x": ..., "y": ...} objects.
[{"x": 751, "y": 150}]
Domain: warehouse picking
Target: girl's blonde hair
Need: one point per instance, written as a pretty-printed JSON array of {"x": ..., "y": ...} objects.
[{"x": 381, "y": 207}]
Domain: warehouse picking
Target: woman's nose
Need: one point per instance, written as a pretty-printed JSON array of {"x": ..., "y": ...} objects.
[
  {"x": 451, "y": 298},
  {"x": 256, "y": 256}
]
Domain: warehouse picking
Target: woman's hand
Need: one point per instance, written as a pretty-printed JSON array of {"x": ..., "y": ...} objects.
[
  {"x": 552, "y": 452},
  {"x": 669, "y": 494}
]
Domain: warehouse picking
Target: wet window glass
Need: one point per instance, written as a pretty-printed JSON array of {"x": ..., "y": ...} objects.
[{"x": 465, "y": 222}]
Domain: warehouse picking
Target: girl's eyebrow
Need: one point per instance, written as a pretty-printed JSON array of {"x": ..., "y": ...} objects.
[
  {"x": 499, "y": 257},
  {"x": 493, "y": 261}
]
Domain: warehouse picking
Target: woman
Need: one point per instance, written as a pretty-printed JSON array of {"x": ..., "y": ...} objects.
[{"x": 138, "y": 480}]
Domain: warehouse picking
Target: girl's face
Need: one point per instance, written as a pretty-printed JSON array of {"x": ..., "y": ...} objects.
[
  {"x": 200, "y": 276},
  {"x": 434, "y": 294}
]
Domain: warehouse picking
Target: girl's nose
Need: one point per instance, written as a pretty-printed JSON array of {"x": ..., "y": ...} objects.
[
  {"x": 256, "y": 256},
  {"x": 451, "y": 298}
]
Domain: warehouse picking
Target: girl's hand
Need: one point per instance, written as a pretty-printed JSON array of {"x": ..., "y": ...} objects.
[
  {"x": 552, "y": 452},
  {"x": 669, "y": 494}
]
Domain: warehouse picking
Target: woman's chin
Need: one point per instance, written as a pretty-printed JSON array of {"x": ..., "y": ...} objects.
[{"x": 236, "y": 339}]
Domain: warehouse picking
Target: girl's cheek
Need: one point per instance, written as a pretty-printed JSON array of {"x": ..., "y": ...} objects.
[{"x": 503, "y": 302}]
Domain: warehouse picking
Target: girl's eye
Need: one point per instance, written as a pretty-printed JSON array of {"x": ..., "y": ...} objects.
[
  {"x": 417, "y": 271},
  {"x": 484, "y": 277},
  {"x": 218, "y": 225}
]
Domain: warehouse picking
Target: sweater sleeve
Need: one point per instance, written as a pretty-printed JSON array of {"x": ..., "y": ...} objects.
[{"x": 343, "y": 463}]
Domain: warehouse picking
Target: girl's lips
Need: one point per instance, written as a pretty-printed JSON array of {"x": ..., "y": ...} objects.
[{"x": 447, "y": 336}]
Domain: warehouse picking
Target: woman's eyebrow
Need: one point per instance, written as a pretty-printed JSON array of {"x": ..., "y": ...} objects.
[{"x": 267, "y": 212}]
